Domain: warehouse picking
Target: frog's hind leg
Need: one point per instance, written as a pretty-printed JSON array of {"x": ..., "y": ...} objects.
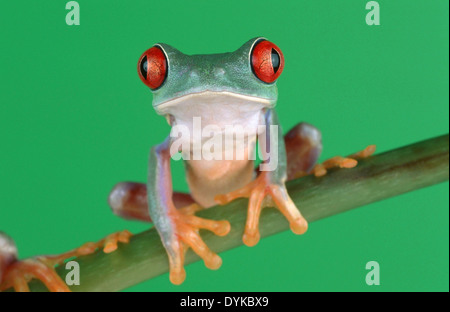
[
  {"x": 8, "y": 253},
  {"x": 350, "y": 161},
  {"x": 303, "y": 148},
  {"x": 20, "y": 273},
  {"x": 17, "y": 274},
  {"x": 128, "y": 200}
]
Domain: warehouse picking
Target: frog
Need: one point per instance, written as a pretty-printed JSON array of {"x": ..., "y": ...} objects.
[
  {"x": 234, "y": 88},
  {"x": 223, "y": 90}
]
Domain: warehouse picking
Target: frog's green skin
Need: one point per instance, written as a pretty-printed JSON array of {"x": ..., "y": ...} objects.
[
  {"x": 222, "y": 73},
  {"x": 223, "y": 90}
]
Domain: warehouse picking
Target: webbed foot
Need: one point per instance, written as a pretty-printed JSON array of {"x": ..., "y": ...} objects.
[
  {"x": 186, "y": 230},
  {"x": 263, "y": 192},
  {"x": 342, "y": 162}
]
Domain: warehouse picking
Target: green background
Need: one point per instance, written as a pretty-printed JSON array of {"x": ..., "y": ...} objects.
[{"x": 75, "y": 119}]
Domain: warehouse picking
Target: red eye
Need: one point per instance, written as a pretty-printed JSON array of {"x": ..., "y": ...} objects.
[
  {"x": 152, "y": 67},
  {"x": 267, "y": 61}
]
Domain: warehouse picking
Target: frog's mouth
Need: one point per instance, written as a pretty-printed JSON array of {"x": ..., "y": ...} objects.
[{"x": 210, "y": 102}]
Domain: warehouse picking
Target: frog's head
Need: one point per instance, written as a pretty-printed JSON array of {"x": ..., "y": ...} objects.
[{"x": 247, "y": 75}]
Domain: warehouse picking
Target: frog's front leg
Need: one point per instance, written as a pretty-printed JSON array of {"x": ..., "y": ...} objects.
[
  {"x": 178, "y": 228},
  {"x": 297, "y": 157},
  {"x": 269, "y": 188}
]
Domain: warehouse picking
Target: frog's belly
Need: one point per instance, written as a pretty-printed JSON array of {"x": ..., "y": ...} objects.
[
  {"x": 202, "y": 117},
  {"x": 208, "y": 178}
]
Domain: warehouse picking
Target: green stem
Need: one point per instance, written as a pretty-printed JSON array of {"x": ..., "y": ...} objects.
[{"x": 376, "y": 178}]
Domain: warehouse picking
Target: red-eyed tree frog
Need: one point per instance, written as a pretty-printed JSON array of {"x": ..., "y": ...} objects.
[
  {"x": 222, "y": 90},
  {"x": 228, "y": 89}
]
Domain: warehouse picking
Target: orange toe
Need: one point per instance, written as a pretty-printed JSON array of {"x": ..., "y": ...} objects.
[
  {"x": 368, "y": 151},
  {"x": 297, "y": 222},
  {"x": 110, "y": 243},
  {"x": 177, "y": 277},
  {"x": 351, "y": 161},
  {"x": 19, "y": 274},
  {"x": 177, "y": 273},
  {"x": 319, "y": 170},
  {"x": 348, "y": 163},
  {"x": 251, "y": 237},
  {"x": 188, "y": 230},
  {"x": 187, "y": 227},
  {"x": 223, "y": 199},
  {"x": 261, "y": 193}
]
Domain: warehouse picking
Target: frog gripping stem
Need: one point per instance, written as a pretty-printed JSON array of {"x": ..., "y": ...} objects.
[
  {"x": 341, "y": 162},
  {"x": 262, "y": 193},
  {"x": 17, "y": 274},
  {"x": 187, "y": 227}
]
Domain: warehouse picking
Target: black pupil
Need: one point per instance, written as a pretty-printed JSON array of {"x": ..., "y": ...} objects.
[
  {"x": 144, "y": 67},
  {"x": 275, "y": 60}
]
